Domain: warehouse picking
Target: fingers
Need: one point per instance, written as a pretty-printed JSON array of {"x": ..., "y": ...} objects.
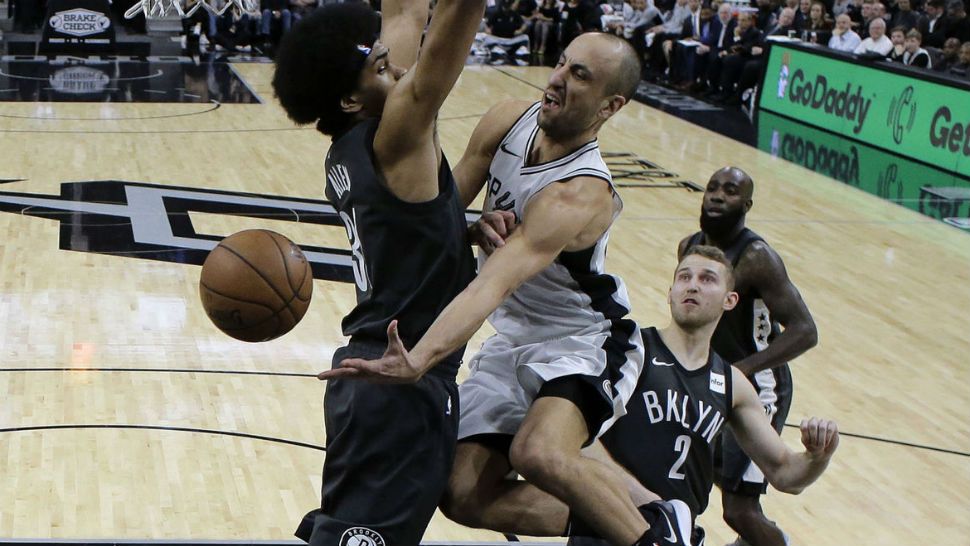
[
  {"x": 831, "y": 436},
  {"x": 819, "y": 435},
  {"x": 338, "y": 373}
]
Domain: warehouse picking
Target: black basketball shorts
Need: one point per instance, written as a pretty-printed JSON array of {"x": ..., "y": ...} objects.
[
  {"x": 390, "y": 450},
  {"x": 734, "y": 471}
]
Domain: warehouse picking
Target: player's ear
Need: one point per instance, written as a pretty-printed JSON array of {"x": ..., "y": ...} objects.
[
  {"x": 670, "y": 295},
  {"x": 351, "y": 104},
  {"x": 747, "y": 205},
  {"x": 730, "y": 300},
  {"x": 611, "y": 105}
]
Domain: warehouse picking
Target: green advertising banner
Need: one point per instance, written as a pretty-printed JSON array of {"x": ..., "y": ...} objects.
[
  {"x": 919, "y": 119},
  {"x": 933, "y": 192}
]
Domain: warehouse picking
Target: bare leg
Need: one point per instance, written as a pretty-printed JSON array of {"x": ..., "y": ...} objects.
[
  {"x": 546, "y": 452},
  {"x": 743, "y": 513},
  {"x": 480, "y": 495}
]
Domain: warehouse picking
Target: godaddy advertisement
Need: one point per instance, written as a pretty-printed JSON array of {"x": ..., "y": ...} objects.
[
  {"x": 922, "y": 120},
  {"x": 933, "y": 192}
]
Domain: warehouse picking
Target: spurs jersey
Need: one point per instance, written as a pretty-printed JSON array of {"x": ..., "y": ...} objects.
[
  {"x": 666, "y": 439},
  {"x": 573, "y": 296}
]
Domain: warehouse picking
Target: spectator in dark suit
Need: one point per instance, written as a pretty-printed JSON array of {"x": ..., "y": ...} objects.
[
  {"x": 722, "y": 38},
  {"x": 748, "y": 42},
  {"x": 578, "y": 16},
  {"x": 785, "y": 25},
  {"x": 766, "y": 18},
  {"x": 689, "y": 62},
  {"x": 951, "y": 55},
  {"x": 934, "y": 26},
  {"x": 961, "y": 69},
  {"x": 959, "y": 22},
  {"x": 905, "y": 16}
]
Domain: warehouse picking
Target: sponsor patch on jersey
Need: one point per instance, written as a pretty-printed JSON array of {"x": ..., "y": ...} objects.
[
  {"x": 361, "y": 536},
  {"x": 717, "y": 383}
]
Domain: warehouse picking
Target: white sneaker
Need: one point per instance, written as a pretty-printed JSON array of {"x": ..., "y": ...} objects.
[{"x": 522, "y": 50}]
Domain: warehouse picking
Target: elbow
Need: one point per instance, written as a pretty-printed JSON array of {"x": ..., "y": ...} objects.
[
  {"x": 811, "y": 336},
  {"x": 789, "y": 489}
]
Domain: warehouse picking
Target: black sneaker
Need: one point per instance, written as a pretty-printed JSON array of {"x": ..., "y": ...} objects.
[{"x": 675, "y": 525}]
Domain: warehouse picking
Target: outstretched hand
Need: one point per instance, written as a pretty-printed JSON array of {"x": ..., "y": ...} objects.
[
  {"x": 394, "y": 367},
  {"x": 820, "y": 437}
]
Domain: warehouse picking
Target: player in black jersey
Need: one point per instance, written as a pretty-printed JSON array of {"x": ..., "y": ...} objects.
[
  {"x": 390, "y": 448},
  {"x": 751, "y": 338},
  {"x": 687, "y": 393}
]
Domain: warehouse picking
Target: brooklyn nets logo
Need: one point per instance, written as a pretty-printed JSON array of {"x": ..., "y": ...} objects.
[
  {"x": 152, "y": 222},
  {"x": 361, "y": 536}
]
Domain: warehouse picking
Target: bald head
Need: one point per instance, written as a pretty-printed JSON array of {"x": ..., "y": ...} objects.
[
  {"x": 738, "y": 177},
  {"x": 623, "y": 68}
]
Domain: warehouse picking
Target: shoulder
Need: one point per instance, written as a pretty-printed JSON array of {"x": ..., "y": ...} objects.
[
  {"x": 497, "y": 122},
  {"x": 760, "y": 265},
  {"x": 506, "y": 113}
]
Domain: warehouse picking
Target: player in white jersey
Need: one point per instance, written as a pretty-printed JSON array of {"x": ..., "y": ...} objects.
[{"x": 564, "y": 359}]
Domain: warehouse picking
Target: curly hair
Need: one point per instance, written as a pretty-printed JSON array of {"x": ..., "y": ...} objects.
[{"x": 318, "y": 63}]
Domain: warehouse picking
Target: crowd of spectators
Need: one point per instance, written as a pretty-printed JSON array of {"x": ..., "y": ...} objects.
[{"x": 716, "y": 47}]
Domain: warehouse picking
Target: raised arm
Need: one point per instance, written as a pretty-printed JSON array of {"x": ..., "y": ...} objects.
[
  {"x": 762, "y": 270},
  {"x": 404, "y": 144},
  {"x": 472, "y": 169},
  {"x": 787, "y": 471},
  {"x": 555, "y": 218},
  {"x": 402, "y": 24}
]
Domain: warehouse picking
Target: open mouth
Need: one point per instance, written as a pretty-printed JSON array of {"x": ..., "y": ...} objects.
[
  {"x": 691, "y": 301},
  {"x": 551, "y": 100}
]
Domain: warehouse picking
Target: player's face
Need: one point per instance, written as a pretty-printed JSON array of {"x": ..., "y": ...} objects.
[
  {"x": 726, "y": 200},
  {"x": 699, "y": 295},
  {"x": 576, "y": 98},
  {"x": 377, "y": 78}
]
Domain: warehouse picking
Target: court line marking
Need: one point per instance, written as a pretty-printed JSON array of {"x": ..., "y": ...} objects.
[
  {"x": 216, "y": 105},
  {"x": 901, "y": 443},
  {"x": 167, "y": 429},
  {"x": 174, "y": 131}
]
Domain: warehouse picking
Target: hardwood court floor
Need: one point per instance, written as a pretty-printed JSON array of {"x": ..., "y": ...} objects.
[{"x": 125, "y": 414}]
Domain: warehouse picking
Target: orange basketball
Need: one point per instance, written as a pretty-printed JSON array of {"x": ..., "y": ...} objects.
[{"x": 256, "y": 285}]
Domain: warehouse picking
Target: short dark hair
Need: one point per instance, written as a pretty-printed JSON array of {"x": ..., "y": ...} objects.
[
  {"x": 915, "y": 34},
  {"x": 627, "y": 76},
  {"x": 318, "y": 63},
  {"x": 900, "y": 29},
  {"x": 717, "y": 255},
  {"x": 936, "y": 4}
]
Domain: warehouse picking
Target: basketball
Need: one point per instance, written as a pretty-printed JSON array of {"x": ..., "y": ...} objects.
[{"x": 256, "y": 285}]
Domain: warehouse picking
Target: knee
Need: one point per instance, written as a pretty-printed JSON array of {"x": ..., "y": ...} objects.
[
  {"x": 458, "y": 505},
  {"x": 741, "y": 515},
  {"x": 462, "y": 500},
  {"x": 537, "y": 461}
]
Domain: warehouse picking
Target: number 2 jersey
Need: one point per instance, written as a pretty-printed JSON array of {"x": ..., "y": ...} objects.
[
  {"x": 409, "y": 259},
  {"x": 666, "y": 439}
]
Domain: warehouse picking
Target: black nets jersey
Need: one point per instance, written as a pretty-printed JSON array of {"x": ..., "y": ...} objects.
[
  {"x": 748, "y": 327},
  {"x": 666, "y": 439},
  {"x": 409, "y": 259}
]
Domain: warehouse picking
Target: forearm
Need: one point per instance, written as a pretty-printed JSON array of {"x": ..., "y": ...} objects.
[
  {"x": 800, "y": 471},
  {"x": 786, "y": 347},
  {"x": 401, "y": 29},
  {"x": 456, "y": 324}
]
